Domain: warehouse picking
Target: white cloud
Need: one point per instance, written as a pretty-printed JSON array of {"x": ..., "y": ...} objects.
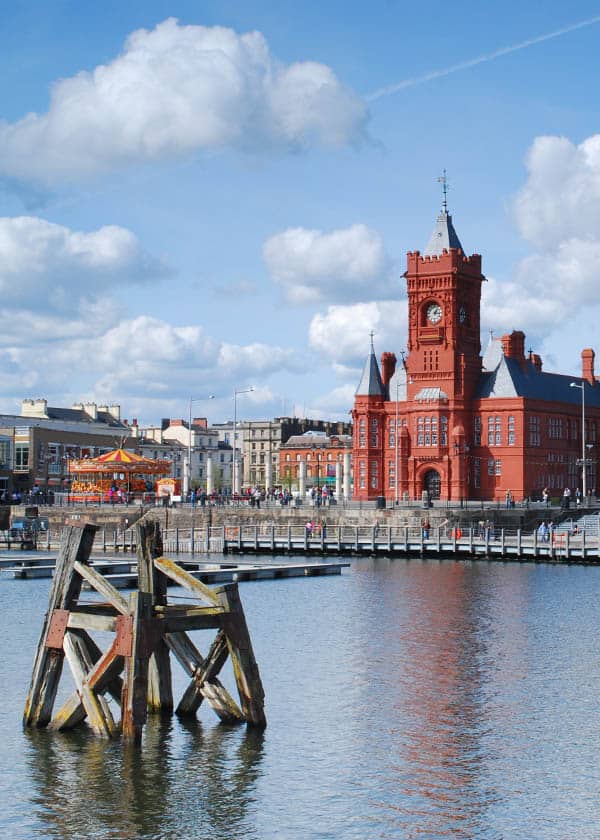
[
  {"x": 558, "y": 212},
  {"x": 342, "y": 333},
  {"x": 142, "y": 360},
  {"x": 561, "y": 199},
  {"x": 348, "y": 264},
  {"x": 45, "y": 265},
  {"x": 176, "y": 89}
]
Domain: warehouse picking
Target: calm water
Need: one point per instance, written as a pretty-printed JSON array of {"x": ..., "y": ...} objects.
[{"x": 404, "y": 700}]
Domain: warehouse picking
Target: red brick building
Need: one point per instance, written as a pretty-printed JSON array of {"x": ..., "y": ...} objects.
[
  {"x": 461, "y": 426},
  {"x": 320, "y": 453}
]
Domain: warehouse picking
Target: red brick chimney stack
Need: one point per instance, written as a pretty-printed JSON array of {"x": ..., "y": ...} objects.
[
  {"x": 587, "y": 365},
  {"x": 388, "y": 367}
]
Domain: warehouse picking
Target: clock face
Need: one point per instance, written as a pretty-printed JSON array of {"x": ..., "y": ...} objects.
[
  {"x": 462, "y": 315},
  {"x": 434, "y": 313}
]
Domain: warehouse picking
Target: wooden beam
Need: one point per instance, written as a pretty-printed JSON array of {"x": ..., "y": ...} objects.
[
  {"x": 151, "y": 580},
  {"x": 104, "y": 676},
  {"x": 135, "y": 686},
  {"x": 185, "y": 579},
  {"x": 76, "y": 546},
  {"x": 101, "y": 585},
  {"x": 245, "y": 667},
  {"x": 96, "y": 707},
  {"x": 205, "y": 683}
]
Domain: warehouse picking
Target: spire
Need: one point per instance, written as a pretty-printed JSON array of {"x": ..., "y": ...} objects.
[
  {"x": 444, "y": 235},
  {"x": 371, "y": 384}
]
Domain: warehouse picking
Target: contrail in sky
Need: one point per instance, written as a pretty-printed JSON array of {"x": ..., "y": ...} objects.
[{"x": 472, "y": 62}]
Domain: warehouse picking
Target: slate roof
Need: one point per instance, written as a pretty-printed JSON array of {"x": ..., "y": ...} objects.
[
  {"x": 370, "y": 384},
  {"x": 443, "y": 236},
  {"x": 427, "y": 394},
  {"x": 78, "y": 415},
  {"x": 509, "y": 378}
]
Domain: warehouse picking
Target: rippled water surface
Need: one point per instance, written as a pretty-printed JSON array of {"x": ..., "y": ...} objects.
[{"x": 404, "y": 700}]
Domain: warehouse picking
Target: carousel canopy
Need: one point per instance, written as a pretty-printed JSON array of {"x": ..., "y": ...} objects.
[{"x": 120, "y": 460}]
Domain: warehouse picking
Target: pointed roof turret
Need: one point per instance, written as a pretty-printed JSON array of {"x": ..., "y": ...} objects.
[
  {"x": 371, "y": 384},
  {"x": 444, "y": 236}
]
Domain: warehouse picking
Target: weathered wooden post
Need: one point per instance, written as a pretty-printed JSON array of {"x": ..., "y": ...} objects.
[{"x": 76, "y": 544}]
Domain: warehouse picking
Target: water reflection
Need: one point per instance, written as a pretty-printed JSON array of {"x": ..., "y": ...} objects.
[
  {"x": 436, "y": 642},
  {"x": 186, "y": 780}
]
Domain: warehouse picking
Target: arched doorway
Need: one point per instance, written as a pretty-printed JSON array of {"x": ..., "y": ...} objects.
[{"x": 432, "y": 483}]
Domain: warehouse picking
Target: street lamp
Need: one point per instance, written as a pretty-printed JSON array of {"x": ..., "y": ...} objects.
[
  {"x": 236, "y": 391},
  {"x": 583, "y": 458},
  {"x": 189, "y": 461}
]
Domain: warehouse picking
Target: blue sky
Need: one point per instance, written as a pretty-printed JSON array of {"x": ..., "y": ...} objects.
[{"x": 199, "y": 197}]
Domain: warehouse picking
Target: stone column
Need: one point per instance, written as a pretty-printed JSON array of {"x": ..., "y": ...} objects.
[
  {"x": 347, "y": 476},
  {"x": 238, "y": 477},
  {"x": 338, "y": 480},
  {"x": 302, "y": 481},
  {"x": 268, "y": 474},
  {"x": 209, "y": 475}
]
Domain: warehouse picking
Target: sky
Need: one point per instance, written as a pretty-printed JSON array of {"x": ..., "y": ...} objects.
[{"x": 197, "y": 198}]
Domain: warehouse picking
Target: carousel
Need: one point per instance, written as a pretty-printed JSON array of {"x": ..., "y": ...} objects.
[{"x": 114, "y": 476}]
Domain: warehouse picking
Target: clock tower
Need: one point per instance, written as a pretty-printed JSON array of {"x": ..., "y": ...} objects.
[{"x": 444, "y": 296}]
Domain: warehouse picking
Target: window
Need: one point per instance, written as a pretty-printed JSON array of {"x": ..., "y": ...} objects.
[
  {"x": 444, "y": 431},
  {"x": 392, "y": 433},
  {"x": 362, "y": 474},
  {"x": 4, "y": 452},
  {"x": 288, "y": 457},
  {"x": 374, "y": 475},
  {"x": 555, "y": 428},
  {"x": 511, "y": 431},
  {"x": 477, "y": 472},
  {"x": 498, "y": 467},
  {"x": 362, "y": 433},
  {"x": 21, "y": 456},
  {"x": 477, "y": 431},
  {"x": 535, "y": 437},
  {"x": 374, "y": 432},
  {"x": 391, "y": 474}
]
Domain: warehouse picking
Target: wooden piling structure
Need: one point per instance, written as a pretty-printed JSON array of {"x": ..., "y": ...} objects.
[{"x": 135, "y": 670}]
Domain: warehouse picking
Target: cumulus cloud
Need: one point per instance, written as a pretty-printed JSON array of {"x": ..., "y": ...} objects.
[
  {"x": 42, "y": 263},
  {"x": 342, "y": 333},
  {"x": 162, "y": 359},
  {"x": 561, "y": 198},
  {"x": 347, "y": 264},
  {"x": 175, "y": 89},
  {"x": 558, "y": 213}
]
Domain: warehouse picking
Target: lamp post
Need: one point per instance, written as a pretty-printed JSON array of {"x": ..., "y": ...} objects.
[
  {"x": 583, "y": 458},
  {"x": 236, "y": 391},
  {"x": 189, "y": 460}
]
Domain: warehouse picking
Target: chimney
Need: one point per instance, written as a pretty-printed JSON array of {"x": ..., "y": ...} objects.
[
  {"x": 537, "y": 362},
  {"x": 34, "y": 408},
  {"x": 587, "y": 365},
  {"x": 200, "y": 422},
  {"x": 91, "y": 410},
  {"x": 513, "y": 345},
  {"x": 388, "y": 366}
]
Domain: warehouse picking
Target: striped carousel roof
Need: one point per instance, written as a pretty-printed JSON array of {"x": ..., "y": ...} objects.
[{"x": 120, "y": 460}]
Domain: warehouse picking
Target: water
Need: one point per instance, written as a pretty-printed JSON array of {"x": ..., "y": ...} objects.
[{"x": 404, "y": 700}]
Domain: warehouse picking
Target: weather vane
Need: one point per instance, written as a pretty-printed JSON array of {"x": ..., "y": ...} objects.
[{"x": 443, "y": 180}]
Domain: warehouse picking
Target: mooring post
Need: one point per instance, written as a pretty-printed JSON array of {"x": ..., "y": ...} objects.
[
  {"x": 134, "y": 700},
  {"x": 76, "y": 544},
  {"x": 153, "y": 582},
  {"x": 245, "y": 668}
]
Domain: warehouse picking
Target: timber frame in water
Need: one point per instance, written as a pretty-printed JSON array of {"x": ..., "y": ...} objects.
[{"x": 147, "y": 630}]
